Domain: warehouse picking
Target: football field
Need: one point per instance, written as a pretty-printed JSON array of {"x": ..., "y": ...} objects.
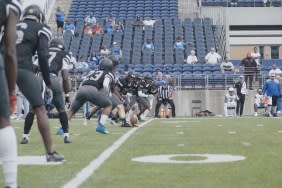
[{"x": 168, "y": 153}]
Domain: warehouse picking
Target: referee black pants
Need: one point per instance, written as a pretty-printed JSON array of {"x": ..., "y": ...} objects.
[{"x": 165, "y": 102}]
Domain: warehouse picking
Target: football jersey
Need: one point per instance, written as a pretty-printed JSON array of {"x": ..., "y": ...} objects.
[
  {"x": 230, "y": 98},
  {"x": 28, "y": 33},
  {"x": 58, "y": 60},
  {"x": 144, "y": 87},
  {"x": 124, "y": 85},
  {"x": 5, "y": 7},
  {"x": 96, "y": 78}
]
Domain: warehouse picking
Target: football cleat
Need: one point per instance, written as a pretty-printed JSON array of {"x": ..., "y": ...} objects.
[
  {"x": 24, "y": 140},
  {"x": 67, "y": 140},
  {"x": 102, "y": 129},
  {"x": 54, "y": 157}
]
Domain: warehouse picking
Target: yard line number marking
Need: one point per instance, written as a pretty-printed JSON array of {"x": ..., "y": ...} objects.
[{"x": 86, "y": 172}]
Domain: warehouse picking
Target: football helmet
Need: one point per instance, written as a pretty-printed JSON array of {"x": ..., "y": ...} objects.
[
  {"x": 148, "y": 79},
  {"x": 33, "y": 12},
  {"x": 106, "y": 65},
  {"x": 57, "y": 43}
]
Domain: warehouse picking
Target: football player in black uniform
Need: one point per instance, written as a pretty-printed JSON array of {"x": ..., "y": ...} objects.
[
  {"x": 9, "y": 12},
  {"x": 96, "y": 88},
  {"x": 144, "y": 88},
  {"x": 58, "y": 64},
  {"x": 34, "y": 36}
]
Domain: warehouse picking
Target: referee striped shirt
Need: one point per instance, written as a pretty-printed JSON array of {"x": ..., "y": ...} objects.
[{"x": 165, "y": 92}]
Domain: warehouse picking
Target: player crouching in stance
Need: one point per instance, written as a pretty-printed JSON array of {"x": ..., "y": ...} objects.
[
  {"x": 58, "y": 65},
  {"x": 96, "y": 89},
  {"x": 230, "y": 102},
  {"x": 34, "y": 35}
]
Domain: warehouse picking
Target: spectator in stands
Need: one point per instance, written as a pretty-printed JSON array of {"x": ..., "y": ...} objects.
[
  {"x": 241, "y": 89},
  {"x": 90, "y": 20},
  {"x": 272, "y": 89},
  {"x": 118, "y": 27},
  {"x": 109, "y": 29},
  {"x": 249, "y": 65},
  {"x": 261, "y": 101},
  {"x": 110, "y": 20},
  {"x": 179, "y": 44},
  {"x": 148, "y": 45},
  {"x": 116, "y": 50},
  {"x": 159, "y": 78},
  {"x": 149, "y": 22},
  {"x": 72, "y": 61},
  {"x": 212, "y": 57},
  {"x": 98, "y": 29},
  {"x": 192, "y": 58},
  {"x": 87, "y": 29},
  {"x": 93, "y": 58},
  {"x": 227, "y": 66},
  {"x": 230, "y": 101},
  {"x": 82, "y": 65},
  {"x": 276, "y": 71},
  {"x": 256, "y": 56},
  {"x": 138, "y": 22},
  {"x": 104, "y": 52},
  {"x": 69, "y": 26},
  {"x": 60, "y": 18}
]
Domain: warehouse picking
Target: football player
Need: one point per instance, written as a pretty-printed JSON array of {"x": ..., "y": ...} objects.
[
  {"x": 9, "y": 12},
  {"x": 58, "y": 65},
  {"x": 96, "y": 88},
  {"x": 33, "y": 35},
  {"x": 230, "y": 101}
]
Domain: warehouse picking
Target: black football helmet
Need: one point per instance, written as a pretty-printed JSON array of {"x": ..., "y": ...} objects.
[
  {"x": 57, "y": 43},
  {"x": 148, "y": 79},
  {"x": 106, "y": 65},
  {"x": 33, "y": 12}
]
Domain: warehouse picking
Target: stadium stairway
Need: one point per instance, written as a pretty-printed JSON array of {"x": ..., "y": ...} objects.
[{"x": 188, "y": 9}]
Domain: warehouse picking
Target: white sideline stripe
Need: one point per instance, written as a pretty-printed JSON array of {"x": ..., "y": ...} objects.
[{"x": 86, "y": 172}]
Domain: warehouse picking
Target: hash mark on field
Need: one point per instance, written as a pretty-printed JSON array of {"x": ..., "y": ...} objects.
[
  {"x": 180, "y": 145},
  {"x": 86, "y": 172},
  {"x": 178, "y": 126},
  {"x": 219, "y": 125},
  {"x": 260, "y": 125},
  {"x": 180, "y": 132},
  {"x": 232, "y": 132},
  {"x": 280, "y": 131},
  {"x": 247, "y": 144}
]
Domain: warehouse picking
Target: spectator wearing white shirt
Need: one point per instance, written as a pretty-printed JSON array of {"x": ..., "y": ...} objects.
[
  {"x": 192, "y": 58},
  {"x": 227, "y": 66},
  {"x": 275, "y": 71},
  {"x": 90, "y": 20},
  {"x": 256, "y": 55},
  {"x": 149, "y": 22},
  {"x": 212, "y": 57}
]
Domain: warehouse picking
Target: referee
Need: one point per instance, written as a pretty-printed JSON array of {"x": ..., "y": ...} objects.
[{"x": 165, "y": 97}]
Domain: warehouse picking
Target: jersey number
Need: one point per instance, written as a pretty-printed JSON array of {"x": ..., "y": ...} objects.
[
  {"x": 96, "y": 75},
  {"x": 20, "y": 33},
  {"x": 52, "y": 55}
]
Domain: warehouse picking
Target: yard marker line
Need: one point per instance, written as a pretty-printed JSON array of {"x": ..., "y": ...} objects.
[{"x": 86, "y": 172}]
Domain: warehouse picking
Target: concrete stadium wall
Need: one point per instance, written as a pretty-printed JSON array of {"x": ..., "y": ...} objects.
[{"x": 212, "y": 100}]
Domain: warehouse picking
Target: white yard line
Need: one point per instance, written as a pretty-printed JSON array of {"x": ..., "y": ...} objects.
[{"x": 86, "y": 172}]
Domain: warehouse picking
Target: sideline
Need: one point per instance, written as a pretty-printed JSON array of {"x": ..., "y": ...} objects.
[{"x": 86, "y": 172}]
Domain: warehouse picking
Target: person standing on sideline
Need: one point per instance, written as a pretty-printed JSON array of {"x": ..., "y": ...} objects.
[
  {"x": 241, "y": 90},
  {"x": 60, "y": 18},
  {"x": 9, "y": 13},
  {"x": 272, "y": 89},
  {"x": 32, "y": 28}
]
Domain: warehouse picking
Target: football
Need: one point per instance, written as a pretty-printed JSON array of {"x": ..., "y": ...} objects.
[{"x": 134, "y": 120}]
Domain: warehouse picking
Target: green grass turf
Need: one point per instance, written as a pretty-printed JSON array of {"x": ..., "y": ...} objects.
[{"x": 261, "y": 145}]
